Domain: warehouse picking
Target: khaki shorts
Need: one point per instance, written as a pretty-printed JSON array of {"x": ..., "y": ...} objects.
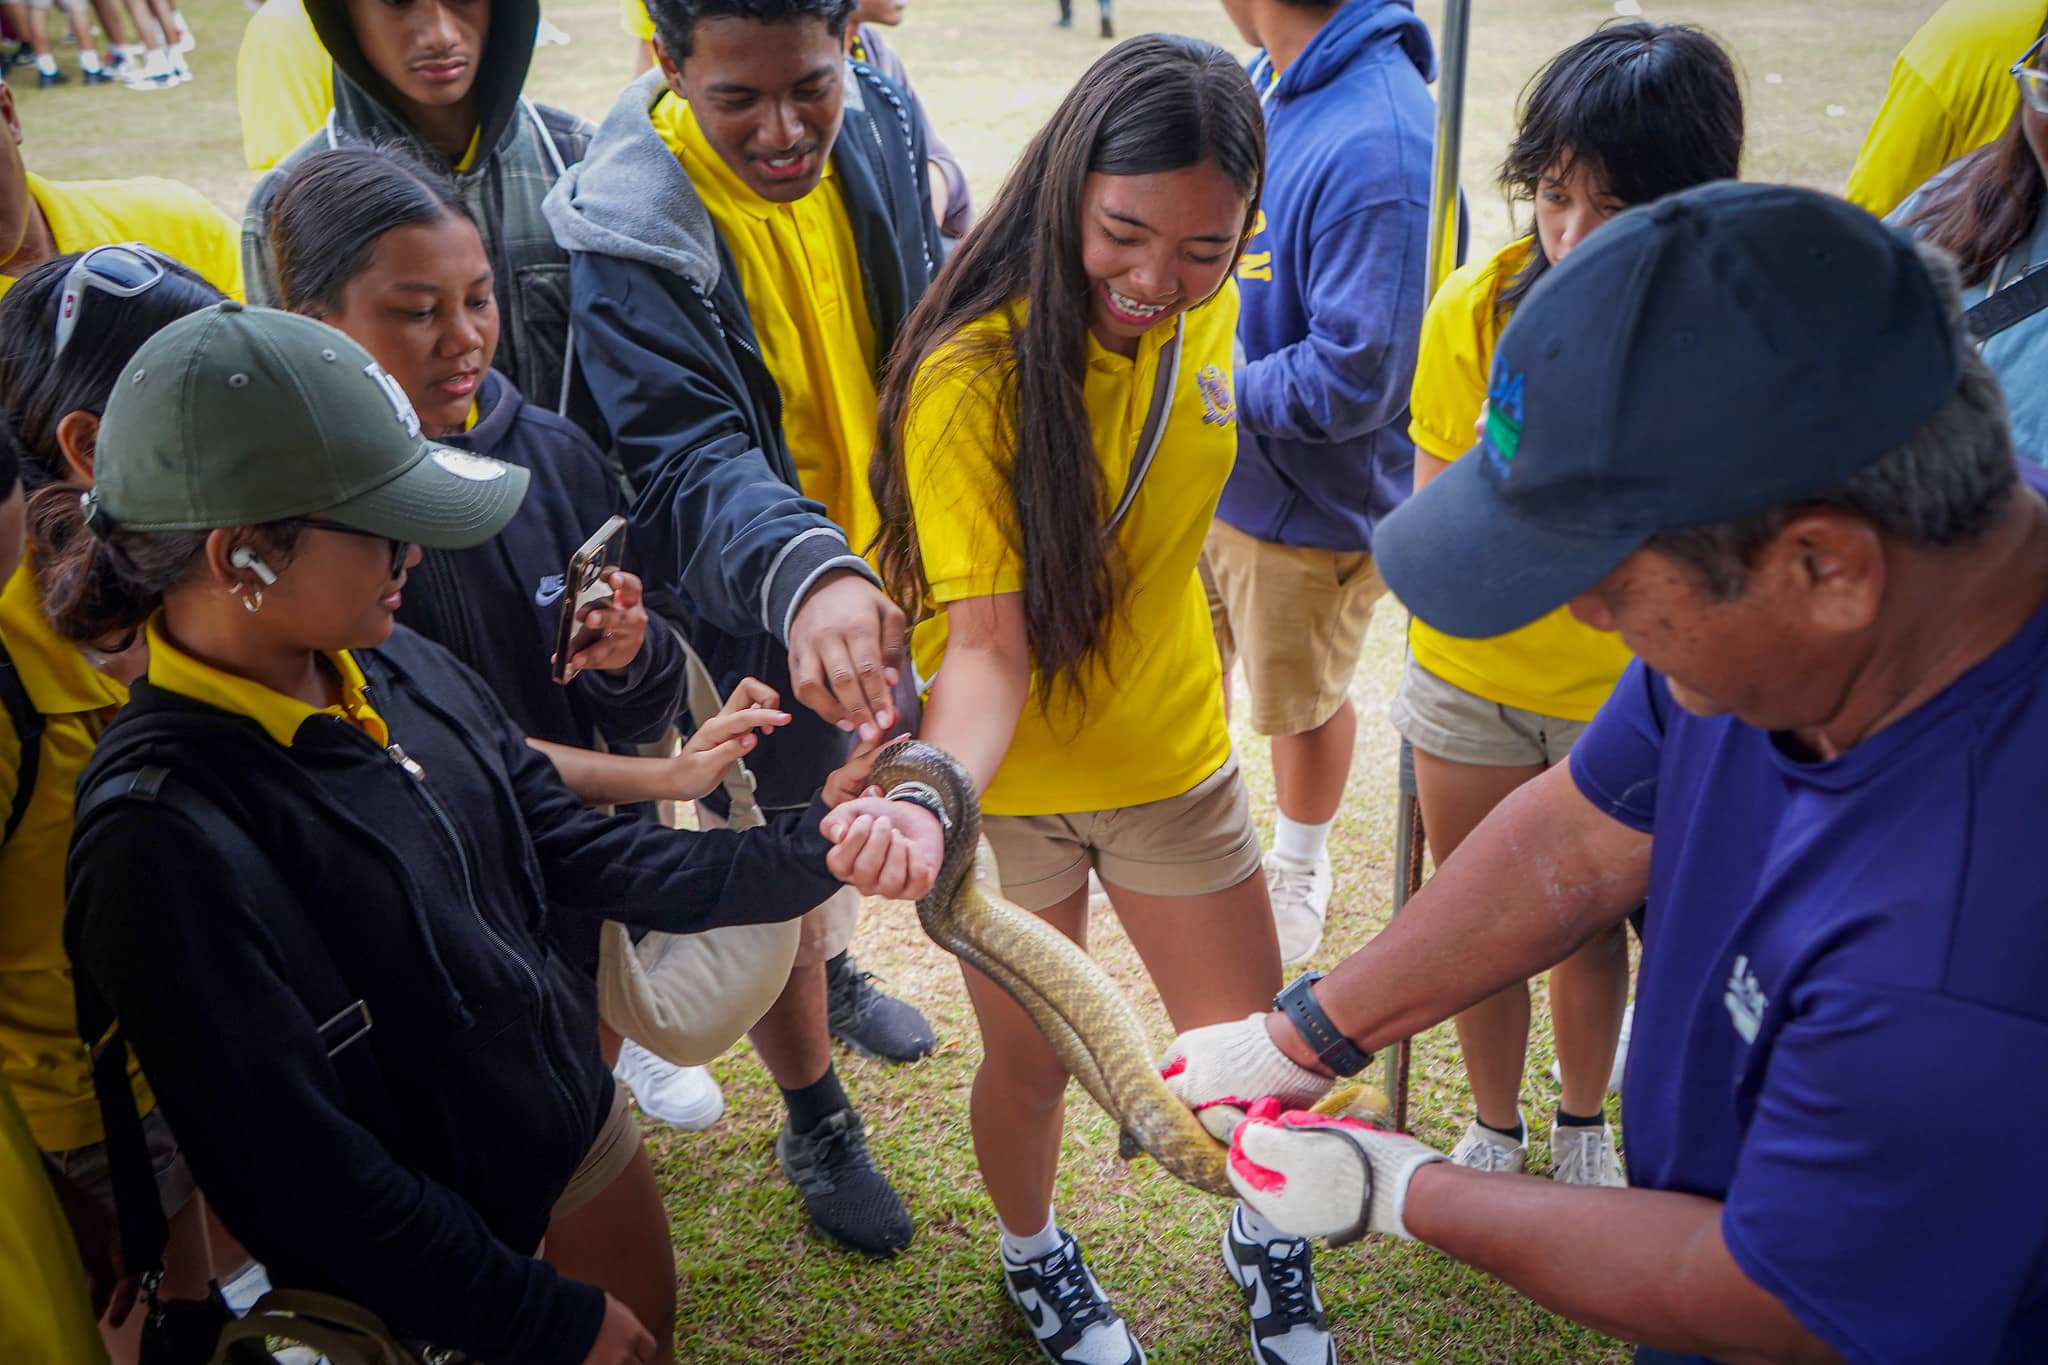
[
  {"x": 1297, "y": 616},
  {"x": 826, "y": 930},
  {"x": 1445, "y": 721},
  {"x": 87, "y": 1167},
  {"x": 1188, "y": 845},
  {"x": 616, "y": 1144}
]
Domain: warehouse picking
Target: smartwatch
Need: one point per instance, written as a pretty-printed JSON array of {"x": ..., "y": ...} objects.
[{"x": 1332, "y": 1048}]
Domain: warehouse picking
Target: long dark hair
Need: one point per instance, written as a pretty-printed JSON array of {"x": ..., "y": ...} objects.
[
  {"x": 334, "y": 206},
  {"x": 1152, "y": 104},
  {"x": 1650, "y": 109},
  {"x": 37, "y": 391},
  {"x": 1987, "y": 204}
]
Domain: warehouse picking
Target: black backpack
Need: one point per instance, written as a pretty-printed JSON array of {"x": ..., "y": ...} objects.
[{"x": 28, "y": 728}]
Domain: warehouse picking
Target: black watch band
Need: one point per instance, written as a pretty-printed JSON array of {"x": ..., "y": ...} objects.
[
  {"x": 1331, "y": 1047},
  {"x": 926, "y": 795}
]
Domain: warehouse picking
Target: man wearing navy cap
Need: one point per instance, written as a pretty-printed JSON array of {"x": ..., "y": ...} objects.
[{"x": 1744, "y": 429}]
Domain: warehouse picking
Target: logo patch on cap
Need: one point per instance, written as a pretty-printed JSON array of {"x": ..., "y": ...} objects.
[
  {"x": 400, "y": 404},
  {"x": 1503, "y": 419},
  {"x": 463, "y": 465}
]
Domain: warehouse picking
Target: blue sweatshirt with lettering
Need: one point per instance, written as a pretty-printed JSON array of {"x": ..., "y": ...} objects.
[{"x": 1334, "y": 283}]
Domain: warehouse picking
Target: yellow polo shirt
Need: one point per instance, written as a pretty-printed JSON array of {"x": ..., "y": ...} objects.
[
  {"x": 284, "y": 82},
  {"x": 802, "y": 278},
  {"x": 634, "y": 21},
  {"x": 1556, "y": 666},
  {"x": 41, "y": 1054},
  {"x": 1153, "y": 725},
  {"x": 172, "y": 669},
  {"x": 44, "y": 1312},
  {"x": 175, "y": 219},
  {"x": 1949, "y": 94}
]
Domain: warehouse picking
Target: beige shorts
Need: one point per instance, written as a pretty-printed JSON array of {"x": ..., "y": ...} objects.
[
  {"x": 87, "y": 1166},
  {"x": 1297, "y": 617},
  {"x": 1188, "y": 845},
  {"x": 826, "y": 930},
  {"x": 1445, "y": 721},
  {"x": 616, "y": 1144}
]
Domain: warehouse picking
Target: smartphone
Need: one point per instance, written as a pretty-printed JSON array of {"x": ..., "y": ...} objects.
[{"x": 584, "y": 587}]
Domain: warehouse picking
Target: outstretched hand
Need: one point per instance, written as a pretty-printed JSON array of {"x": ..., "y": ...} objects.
[
  {"x": 750, "y": 712},
  {"x": 844, "y": 647},
  {"x": 884, "y": 848}
]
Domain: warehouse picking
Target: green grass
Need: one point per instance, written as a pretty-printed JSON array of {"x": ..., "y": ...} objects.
[{"x": 751, "y": 1278}]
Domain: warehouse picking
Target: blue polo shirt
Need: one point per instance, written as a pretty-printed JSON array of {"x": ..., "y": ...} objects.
[{"x": 1841, "y": 1023}]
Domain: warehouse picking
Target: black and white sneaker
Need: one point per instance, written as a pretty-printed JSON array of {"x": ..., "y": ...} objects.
[
  {"x": 1288, "y": 1326},
  {"x": 1069, "y": 1316}
]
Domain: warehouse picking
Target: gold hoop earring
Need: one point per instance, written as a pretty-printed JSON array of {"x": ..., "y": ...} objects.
[{"x": 253, "y": 603}]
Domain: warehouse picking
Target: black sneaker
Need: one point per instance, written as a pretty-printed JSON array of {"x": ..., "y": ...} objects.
[
  {"x": 46, "y": 79},
  {"x": 871, "y": 1023},
  {"x": 99, "y": 77},
  {"x": 848, "y": 1198},
  {"x": 1288, "y": 1325},
  {"x": 1071, "y": 1320}
]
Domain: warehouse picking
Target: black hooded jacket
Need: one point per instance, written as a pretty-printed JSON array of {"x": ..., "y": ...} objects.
[
  {"x": 523, "y": 148},
  {"x": 434, "y": 877}
]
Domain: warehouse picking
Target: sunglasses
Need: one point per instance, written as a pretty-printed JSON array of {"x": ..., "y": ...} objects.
[
  {"x": 2033, "y": 81},
  {"x": 400, "y": 549},
  {"x": 122, "y": 271}
]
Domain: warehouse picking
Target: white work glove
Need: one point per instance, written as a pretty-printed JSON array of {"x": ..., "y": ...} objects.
[
  {"x": 1219, "y": 1070},
  {"x": 1324, "y": 1177}
]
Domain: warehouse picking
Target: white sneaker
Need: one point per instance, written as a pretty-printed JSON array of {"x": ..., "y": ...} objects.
[
  {"x": 184, "y": 41},
  {"x": 1301, "y": 899},
  {"x": 1585, "y": 1156},
  {"x": 1628, "y": 1019},
  {"x": 684, "y": 1097},
  {"x": 1482, "y": 1149},
  {"x": 155, "y": 73}
]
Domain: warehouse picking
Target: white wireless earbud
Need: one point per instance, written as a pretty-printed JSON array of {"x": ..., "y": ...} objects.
[{"x": 242, "y": 557}]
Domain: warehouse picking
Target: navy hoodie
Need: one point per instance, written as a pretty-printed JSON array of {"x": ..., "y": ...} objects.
[{"x": 1334, "y": 283}]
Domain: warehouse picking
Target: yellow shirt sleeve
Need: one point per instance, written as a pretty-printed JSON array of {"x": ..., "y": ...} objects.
[
  {"x": 634, "y": 21},
  {"x": 186, "y": 224},
  {"x": 284, "y": 83},
  {"x": 1451, "y": 366},
  {"x": 1912, "y": 138},
  {"x": 956, "y": 449}
]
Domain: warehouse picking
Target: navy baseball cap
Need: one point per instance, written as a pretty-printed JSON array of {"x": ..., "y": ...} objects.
[{"x": 1722, "y": 351}]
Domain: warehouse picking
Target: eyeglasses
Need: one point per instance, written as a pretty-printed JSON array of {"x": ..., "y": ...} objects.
[
  {"x": 400, "y": 549},
  {"x": 2032, "y": 79},
  {"x": 122, "y": 271}
]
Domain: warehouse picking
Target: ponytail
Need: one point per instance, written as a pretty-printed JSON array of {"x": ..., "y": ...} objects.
[{"x": 97, "y": 592}]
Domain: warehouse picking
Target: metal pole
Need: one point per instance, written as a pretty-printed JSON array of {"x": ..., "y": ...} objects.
[{"x": 1409, "y": 842}]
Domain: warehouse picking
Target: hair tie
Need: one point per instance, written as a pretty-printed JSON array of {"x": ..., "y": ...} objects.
[{"x": 97, "y": 520}]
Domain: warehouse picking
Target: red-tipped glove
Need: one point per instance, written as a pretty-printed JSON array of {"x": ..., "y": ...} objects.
[
  {"x": 1219, "y": 1070},
  {"x": 1324, "y": 1177}
]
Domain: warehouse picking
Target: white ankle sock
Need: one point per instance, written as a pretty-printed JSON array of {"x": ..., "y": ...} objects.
[
  {"x": 1035, "y": 1245},
  {"x": 88, "y": 60},
  {"x": 1298, "y": 843},
  {"x": 1258, "y": 1229},
  {"x": 47, "y": 64}
]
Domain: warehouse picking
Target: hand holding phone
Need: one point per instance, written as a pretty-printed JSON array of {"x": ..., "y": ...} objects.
[{"x": 598, "y": 597}]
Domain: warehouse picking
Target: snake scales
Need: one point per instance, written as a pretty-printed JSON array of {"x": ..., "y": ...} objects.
[{"x": 1081, "y": 1012}]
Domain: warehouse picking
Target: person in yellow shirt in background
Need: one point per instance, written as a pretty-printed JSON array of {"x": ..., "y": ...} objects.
[
  {"x": 1949, "y": 94},
  {"x": 54, "y": 384},
  {"x": 45, "y": 1311},
  {"x": 284, "y": 82},
  {"x": 747, "y": 237},
  {"x": 1071, "y": 375},
  {"x": 1624, "y": 116},
  {"x": 42, "y": 218}
]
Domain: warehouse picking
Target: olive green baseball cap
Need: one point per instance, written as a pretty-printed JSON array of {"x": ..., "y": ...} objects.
[{"x": 238, "y": 416}]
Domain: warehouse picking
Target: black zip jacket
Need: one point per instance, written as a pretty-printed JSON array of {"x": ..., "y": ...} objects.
[
  {"x": 495, "y": 605},
  {"x": 434, "y": 893},
  {"x": 667, "y": 345}
]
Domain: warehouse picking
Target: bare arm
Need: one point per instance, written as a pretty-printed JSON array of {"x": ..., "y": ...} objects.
[
  {"x": 1427, "y": 467},
  {"x": 1541, "y": 875},
  {"x": 983, "y": 685},
  {"x": 601, "y": 779},
  {"x": 1647, "y": 1265}
]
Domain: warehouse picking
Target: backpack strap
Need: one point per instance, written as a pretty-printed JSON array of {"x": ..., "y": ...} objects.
[
  {"x": 28, "y": 728},
  {"x": 309, "y": 968},
  {"x": 1164, "y": 381},
  {"x": 2007, "y": 307}
]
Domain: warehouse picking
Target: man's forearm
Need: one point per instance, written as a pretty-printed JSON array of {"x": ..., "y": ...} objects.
[
  {"x": 1543, "y": 873},
  {"x": 1649, "y": 1266}
]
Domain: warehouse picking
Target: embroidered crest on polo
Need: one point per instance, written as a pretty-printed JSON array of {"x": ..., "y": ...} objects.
[
  {"x": 400, "y": 404},
  {"x": 1219, "y": 408},
  {"x": 463, "y": 465}
]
